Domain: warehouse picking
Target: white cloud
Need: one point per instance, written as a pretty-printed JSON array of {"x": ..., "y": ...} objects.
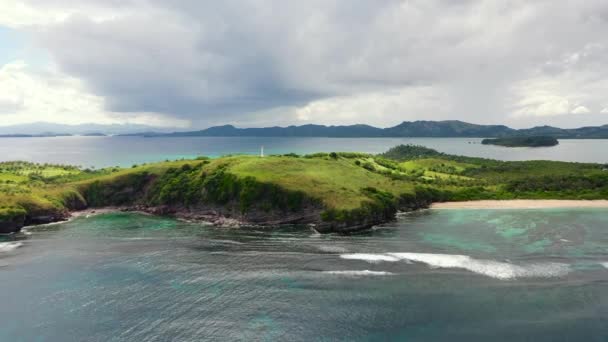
[
  {"x": 39, "y": 13},
  {"x": 28, "y": 95},
  {"x": 18, "y": 14},
  {"x": 379, "y": 108},
  {"x": 572, "y": 84},
  {"x": 604, "y": 111},
  {"x": 581, "y": 110}
]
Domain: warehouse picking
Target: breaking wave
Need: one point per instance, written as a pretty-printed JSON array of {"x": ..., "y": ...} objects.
[
  {"x": 9, "y": 246},
  {"x": 372, "y": 258},
  {"x": 489, "y": 268},
  {"x": 359, "y": 273}
]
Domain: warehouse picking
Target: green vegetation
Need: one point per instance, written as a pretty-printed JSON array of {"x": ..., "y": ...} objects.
[
  {"x": 406, "y": 152},
  {"x": 534, "y": 141},
  {"x": 337, "y": 191}
]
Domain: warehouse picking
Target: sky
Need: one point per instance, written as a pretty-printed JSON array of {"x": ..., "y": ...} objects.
[{"x": 199, "y": 63}]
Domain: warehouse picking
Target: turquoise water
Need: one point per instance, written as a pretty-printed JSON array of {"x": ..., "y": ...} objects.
[
  {"x": 125, "y": 151},
  {"x": 458, "y": 275}
]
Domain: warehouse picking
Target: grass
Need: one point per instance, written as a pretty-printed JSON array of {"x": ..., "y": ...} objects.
[
  {"x": 349, "y": 186},
  {"x": 432, "y": 168},
  {"x": 338, "y": 182},
  {"x": 42, "y": 170},
  {"x": 436, "y": 163}
]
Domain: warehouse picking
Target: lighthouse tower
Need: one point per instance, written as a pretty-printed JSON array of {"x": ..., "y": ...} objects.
[{"x": 262, "y": 152}]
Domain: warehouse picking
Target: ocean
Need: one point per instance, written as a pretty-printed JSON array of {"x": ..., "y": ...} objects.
[
  {"x": 126, "y": 151},
  {"x": 457, "y": 275}
]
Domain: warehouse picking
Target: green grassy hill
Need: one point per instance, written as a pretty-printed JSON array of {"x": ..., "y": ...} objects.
[{"x": 335, "y": 191}]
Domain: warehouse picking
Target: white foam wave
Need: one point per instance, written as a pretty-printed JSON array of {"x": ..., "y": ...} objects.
[
  {"x": 489, "y": 268},
  {"x": 372, "y": 258},
  {"x": 359, "y": 273},
  {"x": 605, "y": 264},
  {"x": 9, "y": 246}
]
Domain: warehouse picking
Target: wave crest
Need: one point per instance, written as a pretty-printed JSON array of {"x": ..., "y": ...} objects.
[
  {"x": 359, "y": 273},
  {"x": 371, "y": 258},
  {"x": 9, "y": 246},
  {"x": 489, "y": 268}
]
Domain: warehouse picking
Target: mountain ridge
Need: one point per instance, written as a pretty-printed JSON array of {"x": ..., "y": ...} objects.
[
  {"x": 43, "y": 128},
  {"x": 420, "y": 128}
]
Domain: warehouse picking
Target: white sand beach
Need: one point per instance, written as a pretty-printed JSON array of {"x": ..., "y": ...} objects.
[{"x": 521, "y": 204}]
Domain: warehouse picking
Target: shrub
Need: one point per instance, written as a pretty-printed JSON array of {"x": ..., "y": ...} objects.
[
  {"x": 12, "y": 214},
  {"x": 369, "y": 166},
  {"x": 406, "y": 152}
]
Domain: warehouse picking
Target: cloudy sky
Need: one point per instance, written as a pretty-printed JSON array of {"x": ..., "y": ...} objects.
[{"x": 197, "y": 63}]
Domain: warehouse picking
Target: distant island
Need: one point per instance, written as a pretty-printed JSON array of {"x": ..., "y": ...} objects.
[
  {"x": 38, "y": 128},
  {"x": 94, "y": 134},
  {"x": 407, "y": 129},
  {"x": 330, "y": 192},
  {"x": 41, "y": 135},
  {"x": 434, "y": 129},
  {"x": 534, "y": 141}
]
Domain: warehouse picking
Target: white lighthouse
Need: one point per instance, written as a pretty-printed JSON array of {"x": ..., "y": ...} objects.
[{"x": 262, "y": 152}]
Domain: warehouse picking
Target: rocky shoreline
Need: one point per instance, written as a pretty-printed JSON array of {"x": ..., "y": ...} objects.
[
  {"x": 17, "y": 223},
  {"x": 213, "y": 215},
  {"x": 223, "y": 217}
]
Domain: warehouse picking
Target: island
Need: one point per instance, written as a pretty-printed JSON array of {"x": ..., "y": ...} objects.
[
  {"x": 424, "y": 128},
  {"x": 329, "y": 192},
  {"x": 94, "y": 134},
  {"x": 41, "y": 135},
  {"x": 420, "y": 128},
  {"x": 533, "y": 141}
]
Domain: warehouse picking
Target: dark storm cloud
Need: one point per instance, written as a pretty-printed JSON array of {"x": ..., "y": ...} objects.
[{"x": 200, "y": 59}]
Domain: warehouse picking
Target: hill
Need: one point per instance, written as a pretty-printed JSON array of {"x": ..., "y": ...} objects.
[
  {"x": 290, "y": 131},
  {"x": 437, "y": 129},
  {"x": 335, "y": 192},
  {"x": 450, "y": 128}
]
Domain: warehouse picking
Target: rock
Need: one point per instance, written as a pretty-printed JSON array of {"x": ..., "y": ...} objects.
[
  {"x": 11, "y": 226},
  {"x": 11, "y": 220}
]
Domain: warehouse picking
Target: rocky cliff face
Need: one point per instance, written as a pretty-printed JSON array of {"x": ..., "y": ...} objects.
[
  {"x": 11, "y": 225},
  {"x": 14, "y": 223}
]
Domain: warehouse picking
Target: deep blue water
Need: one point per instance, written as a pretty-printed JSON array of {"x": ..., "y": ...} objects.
[
  {"x": 447, "y": 275},
  {"x": 125, "y": 151}
]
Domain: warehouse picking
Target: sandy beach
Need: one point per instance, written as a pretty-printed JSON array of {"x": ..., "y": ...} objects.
[{"x": 521, "y": 204}]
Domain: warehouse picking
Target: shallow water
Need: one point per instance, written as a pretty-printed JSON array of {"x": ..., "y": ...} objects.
[
  {"x": 125, "y": 151},
  {"x": 461, "y": 275}
]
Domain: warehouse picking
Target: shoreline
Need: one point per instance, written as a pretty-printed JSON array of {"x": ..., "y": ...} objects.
[
  {"x": 521, "y": 204},
  {"x": 219, "y": 220}
]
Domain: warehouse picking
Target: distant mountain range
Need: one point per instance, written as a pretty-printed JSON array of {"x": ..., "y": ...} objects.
[
  {"x": 437, "y": 129},
  {"x": 53, "y": 129},
  {"x": 41, "y": 135}
]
